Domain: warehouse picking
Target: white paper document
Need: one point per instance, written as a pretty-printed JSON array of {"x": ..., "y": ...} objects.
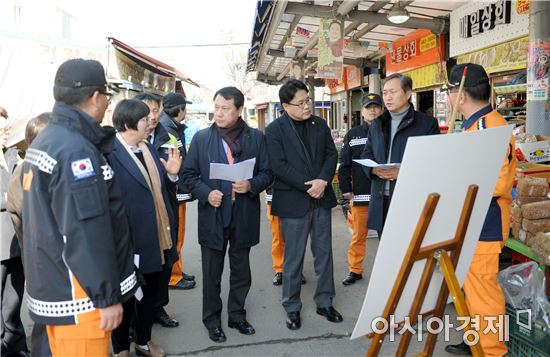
[
  {"x": 370, "y": 163},
  {"x": 236, "y": 172}
]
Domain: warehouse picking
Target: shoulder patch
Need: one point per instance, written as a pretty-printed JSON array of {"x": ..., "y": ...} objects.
[
  {"x": 82, "y": 169},
  {"x": 27, "y": 180}
]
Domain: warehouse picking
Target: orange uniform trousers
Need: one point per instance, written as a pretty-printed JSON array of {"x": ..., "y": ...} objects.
[
  {"x": 83, "y": 339},
  {"x": 177, "y": 268},
  {"x": 277, "y": 242},
  {"x": 358, "y": 243},
  {"x": 484, "y": 297}
]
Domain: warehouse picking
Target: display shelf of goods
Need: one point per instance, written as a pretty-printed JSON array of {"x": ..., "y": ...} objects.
[{"x": 510, "y": 89}]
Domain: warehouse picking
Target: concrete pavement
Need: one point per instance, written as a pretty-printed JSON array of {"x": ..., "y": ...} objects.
[{"x": 317, "y": 337}]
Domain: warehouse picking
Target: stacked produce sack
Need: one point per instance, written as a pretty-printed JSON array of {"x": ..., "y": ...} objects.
[{"x": 531, "y": 215}]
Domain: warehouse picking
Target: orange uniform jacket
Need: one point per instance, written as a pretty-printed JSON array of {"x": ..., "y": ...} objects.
[{"x": 497, "y": 221}]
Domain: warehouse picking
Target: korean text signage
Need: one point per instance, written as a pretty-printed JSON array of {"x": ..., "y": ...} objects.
[
  {"x": 485, "y": 19},
  {"x": 507, "y": 56},
  {"x": 481, "y": 24},
  {"x": 427, "y": 76},
  {"x": 420, "y": 48}
]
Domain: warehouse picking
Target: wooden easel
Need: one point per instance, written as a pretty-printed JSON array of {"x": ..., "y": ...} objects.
[{"x": 435, "y": 253}]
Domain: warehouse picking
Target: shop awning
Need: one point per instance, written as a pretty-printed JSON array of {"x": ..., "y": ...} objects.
[
  {"x": 283, "y": 25},
  {"x": 149, "y": 62}
]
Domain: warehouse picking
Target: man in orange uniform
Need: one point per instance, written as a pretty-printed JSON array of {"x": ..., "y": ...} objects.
[
  {"x": 355, "y": 186},
  {"x": 484, "y": 296}
]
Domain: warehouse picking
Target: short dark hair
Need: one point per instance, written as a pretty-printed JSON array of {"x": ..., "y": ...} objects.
[
  {"x": 480, "y": 92},
  {"x": 74, "y": 96},
  {"x": 174, "y": 111},
  {"x": 231, "y": 93},
  {"x": 148, "y": 97},
  {"x": 405, "y": 81},
  {"x": 289, "y": 88},
  {"x": 35, "y": 126},
  {"x": 128, "y": 113}
]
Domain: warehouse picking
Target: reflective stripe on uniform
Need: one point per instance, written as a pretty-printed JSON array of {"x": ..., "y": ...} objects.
[
  {"x": 184, "y": 196},
  {"x": 40, "y": 159},
  {"x": 269, "y": 198},
  {"x": 361, "y": 198},
  {"x": 481, "y": 124},
  {"x": 128, "y": 283},
  {"x": 107, "y": 172},
  {"x": 355, "y": 142},
  {"x": 60, "y": 308}
]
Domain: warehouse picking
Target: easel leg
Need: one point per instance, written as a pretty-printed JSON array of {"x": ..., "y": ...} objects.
[{"x": 459, "y": 301}]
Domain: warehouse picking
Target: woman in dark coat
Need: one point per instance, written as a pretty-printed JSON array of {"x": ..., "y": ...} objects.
[{"x": 145, "y": 183}]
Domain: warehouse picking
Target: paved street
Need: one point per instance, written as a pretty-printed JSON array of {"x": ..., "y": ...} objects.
[{"x": 317, "y": 337}]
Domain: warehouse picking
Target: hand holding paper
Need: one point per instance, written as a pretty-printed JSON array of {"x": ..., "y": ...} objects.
[
  {"x": 371, "y": 163},
  {"x": 237, "y": 172}
]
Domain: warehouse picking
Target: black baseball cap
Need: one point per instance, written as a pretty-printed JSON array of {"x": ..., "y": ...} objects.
[
  {"x": 172, "y": 100},
  {"x": 474, "y": 75},
  {"x": 79, "y": 73},
  {"x": 372, "y": 98}
]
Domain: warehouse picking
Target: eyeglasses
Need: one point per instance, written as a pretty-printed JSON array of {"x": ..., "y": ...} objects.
[
  {"x": 303, "y": 103},
  {"x": 108, "y": 95}
]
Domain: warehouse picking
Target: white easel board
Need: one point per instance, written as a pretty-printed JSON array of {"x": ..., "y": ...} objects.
[{"x": 444, "y": 164}]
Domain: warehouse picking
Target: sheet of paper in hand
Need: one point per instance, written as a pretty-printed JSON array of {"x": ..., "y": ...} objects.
[{"x": 237, "y": 172}]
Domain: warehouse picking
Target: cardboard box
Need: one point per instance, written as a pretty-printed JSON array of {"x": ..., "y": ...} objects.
[
  {"x": 535, "y": 170},
  {"x": 538, "y": 151}
]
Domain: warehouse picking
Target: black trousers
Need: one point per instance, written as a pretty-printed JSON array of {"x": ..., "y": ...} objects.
[
  {"x": 163, "y": 297},
  {"x": 142, "y": 312},
  {"x": 239, "y": 281},
  {"x": 386, "y": 207},
  {"x": 13, "y": 286},
  {"x": 40, "y": 346}
]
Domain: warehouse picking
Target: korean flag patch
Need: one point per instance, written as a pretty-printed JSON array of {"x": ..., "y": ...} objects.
[{"x": 82, "y": 169}]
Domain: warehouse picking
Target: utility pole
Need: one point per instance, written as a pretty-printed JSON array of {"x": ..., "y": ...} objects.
[{"x": 538, "y": 74}]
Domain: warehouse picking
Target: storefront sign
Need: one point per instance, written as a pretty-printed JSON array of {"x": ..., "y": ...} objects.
[
  {"x": 504, "y": 57},
  {"x": 337, "y": 85},
  {"x": 427, "y": 76},
  {"x": 481, "y": 24},
  {"x": 538, "y": 77},
  {"x": 330, "y": 62},
  {"x": 353, "y": 77},
  {"x": 300, "y": 31},
  {"x": 522, "y": 7},
  {"x": 485, "y": 19},
  {"x": 415, "y": 50}
]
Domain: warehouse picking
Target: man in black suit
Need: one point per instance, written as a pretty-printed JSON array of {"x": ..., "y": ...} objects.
[
  {"x": 229, "y": 213},
  {"x": 303, "y": 160}
]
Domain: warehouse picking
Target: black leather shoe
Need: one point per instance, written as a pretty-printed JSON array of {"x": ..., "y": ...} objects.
[
  {"x": 188, "y": 277},
  {"x": 459, "y": 349},
  {"x": 293, "y": 320},
  {"x": 243, "y": 326},
  {"x": 351, "y": 278},
  {"x": 216, "y": 334},
  {"x": 303, "y": 279},
  {"x": 183, "y": 285},
  {"x": 278, "y": 279},
  {"x": 20, "y": 354},
  {"x": 166, "y": 321},
  {"x": 330, "y": 313}
]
